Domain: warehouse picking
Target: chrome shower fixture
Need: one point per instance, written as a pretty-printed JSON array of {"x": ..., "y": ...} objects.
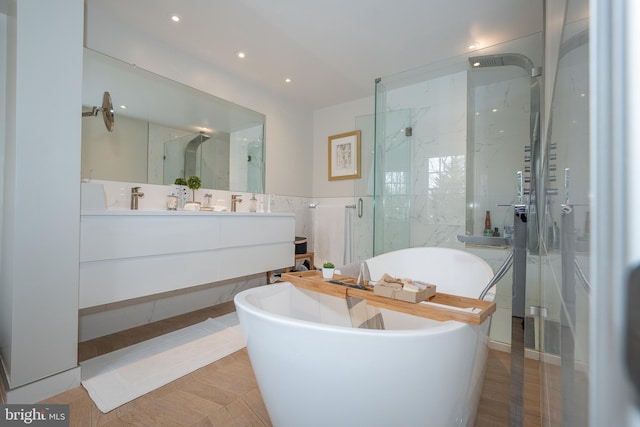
[
  {"x": 516, "y": 59},
  {"x": 535, "y": 189},
  {"x": 107, "y": 112},
  {"x": 190, "y": 154}
]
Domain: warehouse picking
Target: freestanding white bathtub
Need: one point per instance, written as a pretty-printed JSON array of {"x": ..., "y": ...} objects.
[{"x": 314, "y": 369}]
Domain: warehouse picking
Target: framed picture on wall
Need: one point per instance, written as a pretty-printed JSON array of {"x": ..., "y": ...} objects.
[{"x": 344, "y": 156}]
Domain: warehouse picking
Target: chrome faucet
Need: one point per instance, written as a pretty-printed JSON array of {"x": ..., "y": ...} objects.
[
  {"x": 135, "y": 195},
  {"x": 235, "y": 199}
]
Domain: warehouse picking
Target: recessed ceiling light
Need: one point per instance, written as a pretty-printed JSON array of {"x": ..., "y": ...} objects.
[
  {"x": 287, "y": 80},
  {"x": 473, "y": 45},
  {"x": 124, "y": 107},
  {"x": 241, "y": 54},
  {"x": 476, "y": 64},
  {"x": 175, "y": 18}
]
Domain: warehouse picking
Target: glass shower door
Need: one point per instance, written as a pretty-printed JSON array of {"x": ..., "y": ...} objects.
[
  {"x": 361, "y": 211},
  {"x": 386, "y": 202},
  {"x": 173, "y": 158},
  {"x": 565, "y": 288},
  {"x": 392, "y": 187}
]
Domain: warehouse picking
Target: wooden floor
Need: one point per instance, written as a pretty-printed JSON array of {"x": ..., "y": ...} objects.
[{"x": 225, "y": 393}]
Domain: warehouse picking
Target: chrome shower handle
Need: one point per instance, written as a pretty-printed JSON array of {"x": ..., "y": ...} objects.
[
  {"x": 567, "y": 177},
  {"x": 519, "y": 187}
]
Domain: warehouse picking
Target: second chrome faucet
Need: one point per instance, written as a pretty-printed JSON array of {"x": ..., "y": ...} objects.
[
  {"x": 235, "y": 199},
  {"x": 135, "y": 195}
]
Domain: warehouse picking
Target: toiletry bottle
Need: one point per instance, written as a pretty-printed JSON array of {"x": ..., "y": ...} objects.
[
  {"x": 253, "y": 203},
  {"x": 487, "y": 224},
  {"x": 172, "y": 202}
]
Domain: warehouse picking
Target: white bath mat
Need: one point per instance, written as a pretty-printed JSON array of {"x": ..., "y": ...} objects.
[{"x": 116, "y": 378}]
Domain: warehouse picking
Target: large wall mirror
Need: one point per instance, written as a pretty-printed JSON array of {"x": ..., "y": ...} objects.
[{"x": 165, "y": 130}]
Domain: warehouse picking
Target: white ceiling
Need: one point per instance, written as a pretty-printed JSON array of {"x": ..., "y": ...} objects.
[{"x": 331, "y": 49}]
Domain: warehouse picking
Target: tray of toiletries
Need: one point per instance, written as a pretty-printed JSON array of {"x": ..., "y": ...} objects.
[
  {"x": 436, "y": 305},
  {"x": 406, "y": 289}
]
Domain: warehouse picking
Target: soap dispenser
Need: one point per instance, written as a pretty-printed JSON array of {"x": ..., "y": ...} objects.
[{"x": 253, "y": 203}]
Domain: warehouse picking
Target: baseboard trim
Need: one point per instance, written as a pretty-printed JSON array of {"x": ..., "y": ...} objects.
[{"x": 45, "y": 388}]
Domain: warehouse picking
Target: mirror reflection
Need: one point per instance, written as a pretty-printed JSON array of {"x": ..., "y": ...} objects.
[{"x": 165, "y": 130}]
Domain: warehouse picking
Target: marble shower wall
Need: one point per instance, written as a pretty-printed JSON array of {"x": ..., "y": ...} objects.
[
  {"x": 501, "y": 112},
  {"x": 438, "y": 117},
  {"x": 453, "y": 117},
  {"x": 445, "y": 112}
]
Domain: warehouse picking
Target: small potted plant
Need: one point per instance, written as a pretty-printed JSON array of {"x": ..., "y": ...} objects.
[
  {"x": 327, "y": 270},
  {"x": 193, "y": 183},
  {"x": 180, "y": 181}
]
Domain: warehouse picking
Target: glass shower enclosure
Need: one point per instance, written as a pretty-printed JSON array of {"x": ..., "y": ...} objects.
[
  {"x": 458, "y": 146},
  {"x": 449, "y": 142},
  {"x": 454, "y": 145}
]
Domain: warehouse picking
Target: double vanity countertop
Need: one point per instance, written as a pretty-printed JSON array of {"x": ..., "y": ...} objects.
[{"x": 148, "y": 212}]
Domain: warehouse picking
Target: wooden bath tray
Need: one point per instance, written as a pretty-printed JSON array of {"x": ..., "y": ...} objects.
[{"x": 449, "y": 307}]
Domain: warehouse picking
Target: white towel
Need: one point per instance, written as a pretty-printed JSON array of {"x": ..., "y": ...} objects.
[
  {"x": 328, "y": 234},
  {"x": 363, "y": 315},
  {"x": 116, "y": 378},
  {"x": 348, "y": 236}
]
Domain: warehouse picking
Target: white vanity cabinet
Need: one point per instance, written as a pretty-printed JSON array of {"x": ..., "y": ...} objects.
[{"x": 130, "y": 254}]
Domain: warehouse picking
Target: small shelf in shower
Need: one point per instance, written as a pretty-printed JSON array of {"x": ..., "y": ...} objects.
[{"x": 485, "y": 240}]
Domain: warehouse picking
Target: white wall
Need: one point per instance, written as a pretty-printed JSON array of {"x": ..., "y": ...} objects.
[
  {"x": 332, "y": 121},
  {"x": 117, "y": 154},
  {"x": 39, "y": 275},
  {"x": 288, "y": 127}
]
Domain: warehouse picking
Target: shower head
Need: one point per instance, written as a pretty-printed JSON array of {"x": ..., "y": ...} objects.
[
  {"x": 515, "y": 59},
  {"x": 190, "y": 153},
  {"x": 195, "y": 142},
  {"x": 107, "y": 112}
]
